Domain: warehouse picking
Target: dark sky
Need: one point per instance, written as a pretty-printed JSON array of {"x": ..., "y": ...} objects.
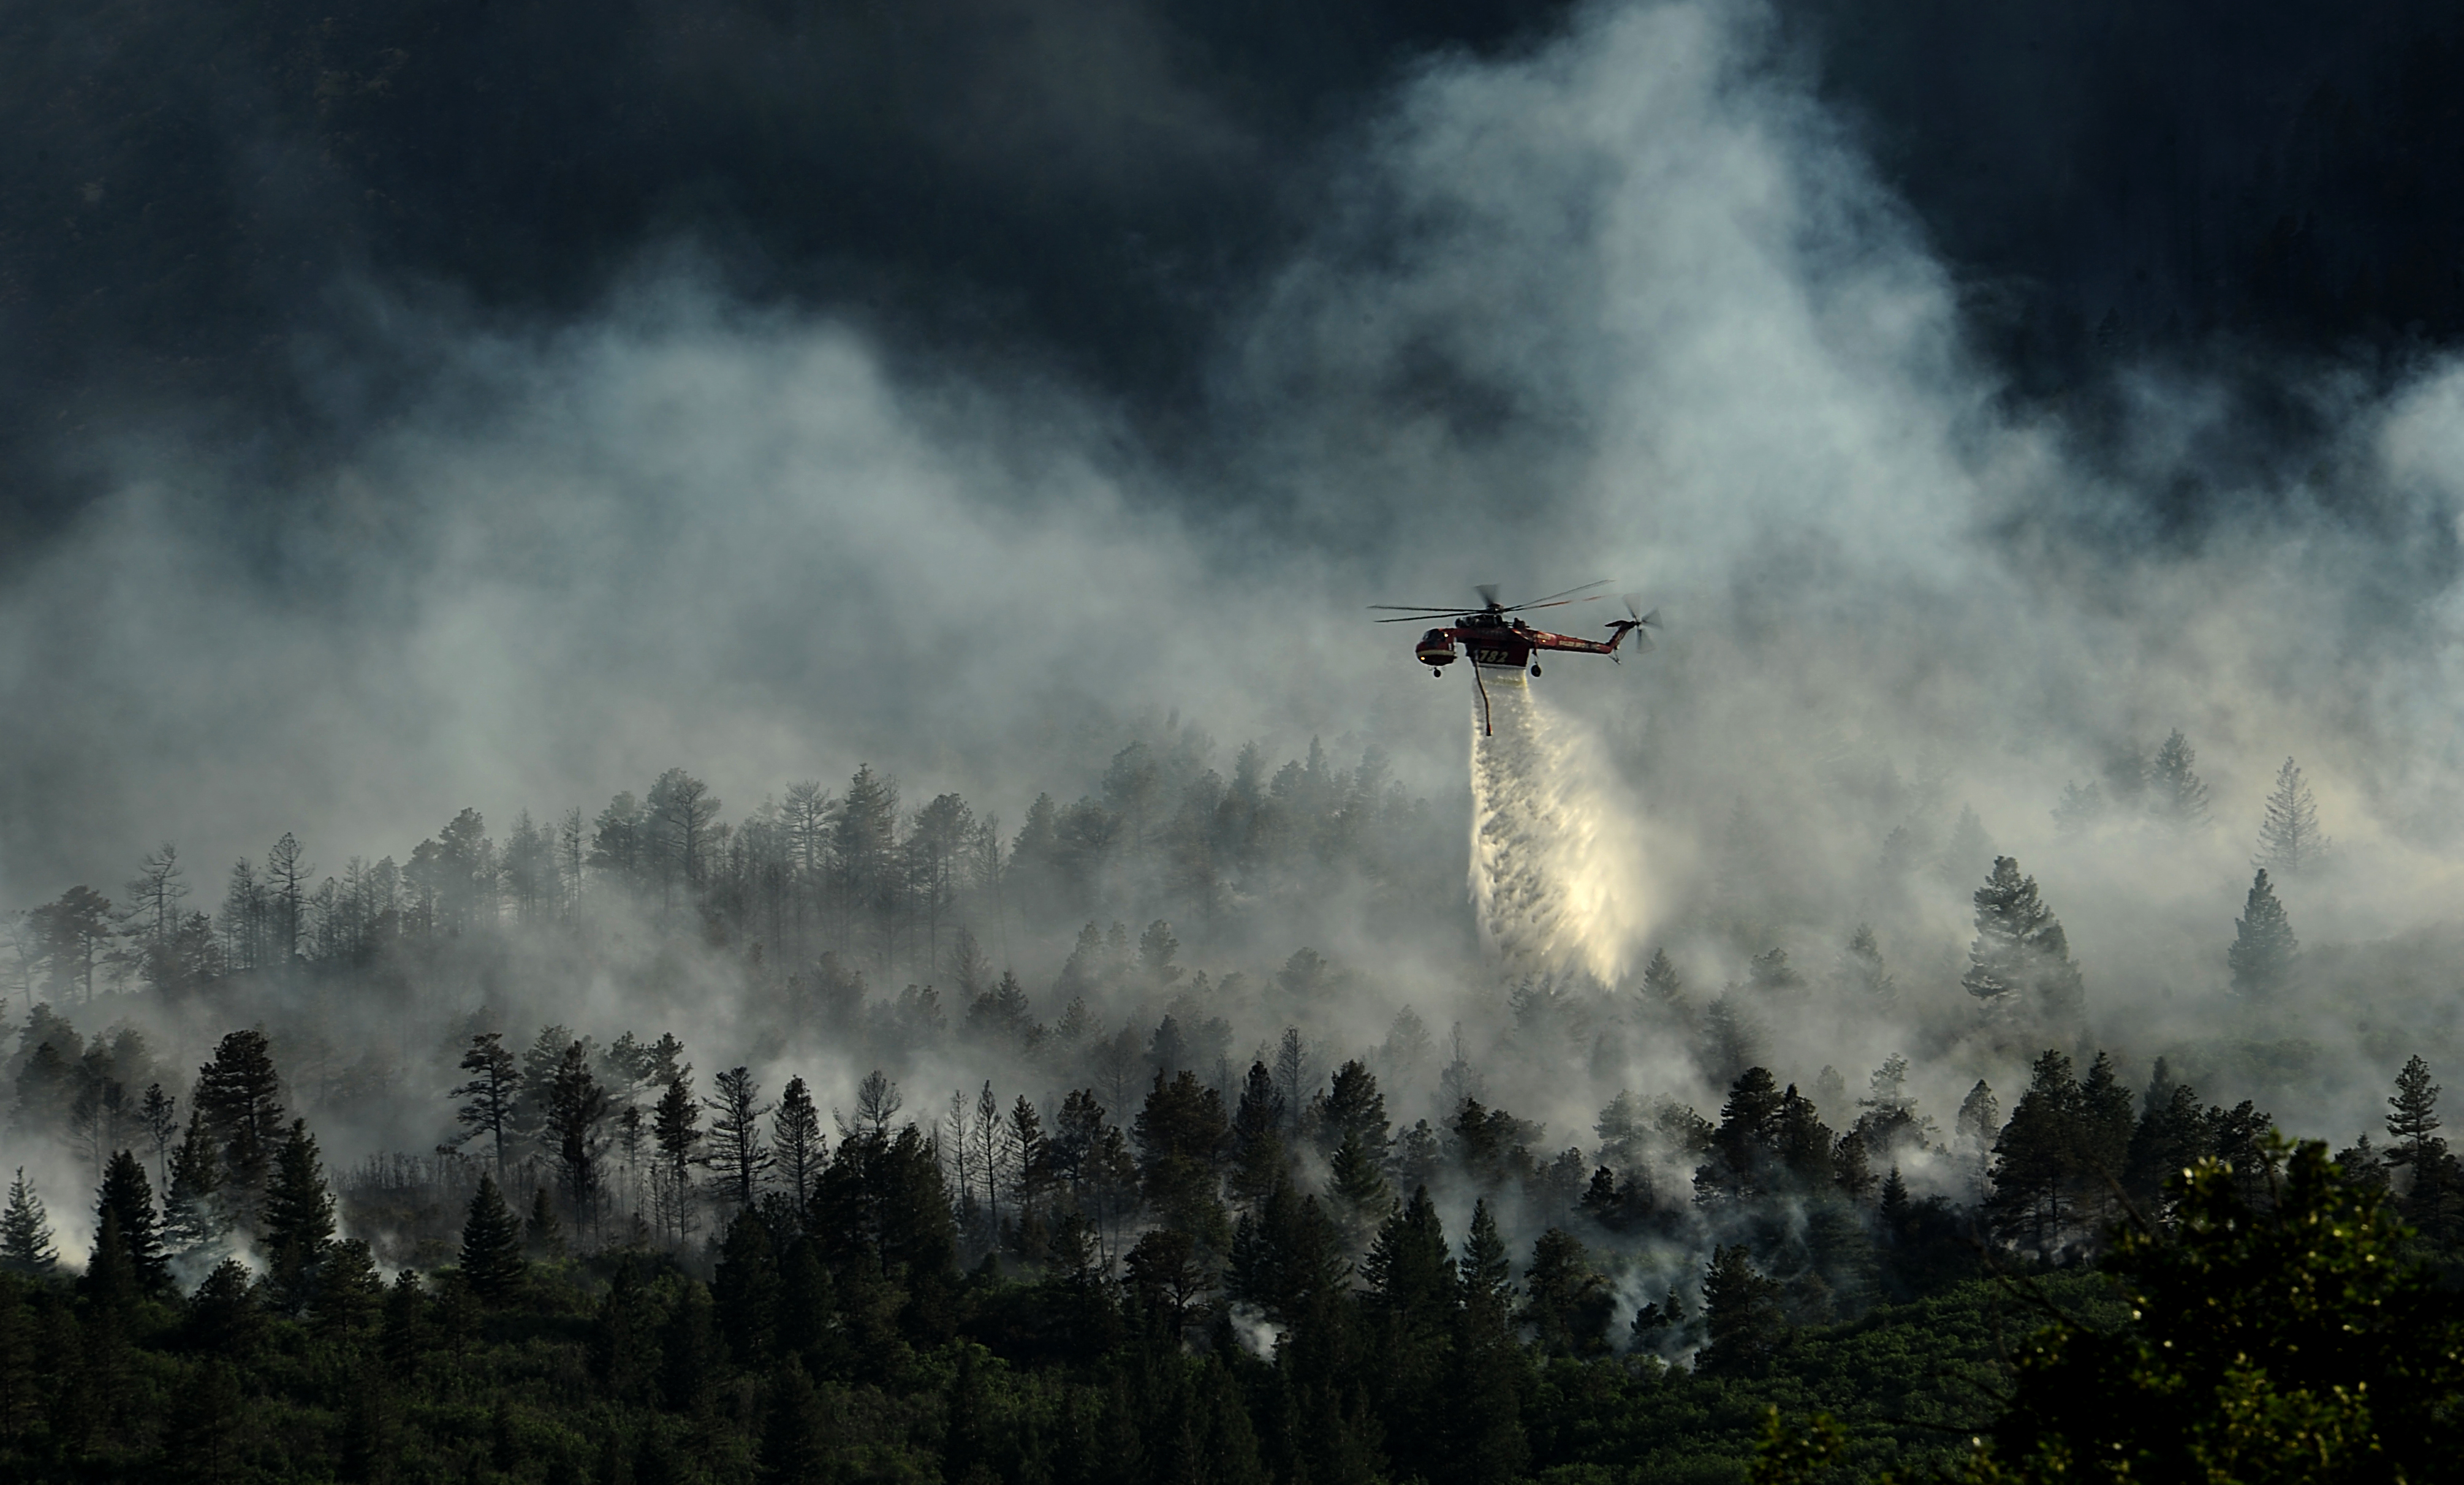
[{"x": 192, "y": 195}]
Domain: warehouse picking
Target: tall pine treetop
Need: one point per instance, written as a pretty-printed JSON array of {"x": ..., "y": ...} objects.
[
  {"x": 2263, "y": 946},
  {"x": 2021, "y": 959},
  {"x": 25, "y": 1244},
  {"x": 491, "y": 1245},
  {"x": 2289, "y": 839},
  {"x": 2175, "y": 793}
]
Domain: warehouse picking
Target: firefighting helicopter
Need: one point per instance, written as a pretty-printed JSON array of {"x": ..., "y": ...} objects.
[{"x": 1497, "y": 638}]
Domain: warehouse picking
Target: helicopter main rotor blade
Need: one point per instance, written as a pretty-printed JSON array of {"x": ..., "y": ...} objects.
[
  {"x": 1554, "y": 596},
  {"x": 1438, "y": 613},
  {"x": 1416, "y": 608}
]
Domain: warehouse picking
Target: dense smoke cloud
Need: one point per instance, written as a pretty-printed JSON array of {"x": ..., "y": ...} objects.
[{"x": 1631, "y": 305}]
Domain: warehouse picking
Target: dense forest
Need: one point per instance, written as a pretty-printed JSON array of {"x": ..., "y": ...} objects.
[
  {"x": 419, "y": 405},
  {"x": 1155, "y": 1228}
]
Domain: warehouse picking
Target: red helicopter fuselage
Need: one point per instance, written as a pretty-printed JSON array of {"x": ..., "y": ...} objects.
[{"x": 1503, "y": 643}]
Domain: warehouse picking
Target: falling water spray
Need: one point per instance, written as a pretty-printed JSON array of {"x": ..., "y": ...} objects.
[{"x": 1558, "y": 882}]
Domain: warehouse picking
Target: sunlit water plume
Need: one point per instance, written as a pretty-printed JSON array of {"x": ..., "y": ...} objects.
[{"x": 1558, "y": 885}]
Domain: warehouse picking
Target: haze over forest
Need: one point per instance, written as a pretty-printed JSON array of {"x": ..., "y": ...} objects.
[{"x": 801, "y": 544}]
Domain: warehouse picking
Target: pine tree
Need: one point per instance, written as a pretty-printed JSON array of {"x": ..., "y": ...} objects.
[
  {"x": 2021, "y": 958},
  {"x": 1733, "y": 1040},
  {"x": 298, "y": 1217},
  {"x": 1978, "y": 1121},
  {"x": 2037, "y": 1159},
  {"x": 1482, "y": 1431},
  {"x": 2412, "y": 1121},
  {"x": 2289, "y": 841},
  {"x": 796, "y": 1141},
  {"x": 2175, "y": 793},
  {"x": 1868, "y": 980},
  {"x": 2263, "y": 947},
  {"x": 1486, "y": 1271},
  {"x": 239, "y": 1094},
  {"x": 128, "y": 1197},
  {"x": 1568, "y": 1302},
  {"x": 795, "y": 1443},
  {"x": 492, "y": 1246},
  {"x": 348, "y": 1289},
  {"x": 1359, "y": 1184},
  {"x": 159, "y": 1116},
  {"x": 491, "y": 1095},
  {"x": 676, "y": 1126},
  {"x": 1740, "y": 1313},
  {"x": 577, "y": 1115},
  {"x": 26, "y": 1246},
  {"x": 193, "y": 1215},
  {"x": 737, "y": 1151},
  {"x": 1663, "y": 989},
  {"x": 1257, "y": 1137}
]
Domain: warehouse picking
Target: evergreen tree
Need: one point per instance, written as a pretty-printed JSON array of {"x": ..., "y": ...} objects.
[
  {"x": 1482, "y": 1431},
  {"x": 2412, "y": 1121},
  {"x": 298, "y": 1217},
  {"x": 1663, "y": 990},
  {"x": 1744, "y": 1157},
  {"x": 1568, "y": 1303},
  {"x": 2173, "y": 1134},
  {"x": 795, "y": 1443},
  {"x": 240, "y": 1095},
  {"x": 348, "y": 1289},
  {"x": 127, "y": 1198},
  {"x": 1980, "y": 1117},
  {"x": 796, "y": 1141},
  {"x": 2263, "y": 946},
  {"x": 2037, "y": 1159},
  {"x": 577, "y": 1115},
  {"x": 2021, "y": 960},
  {"x": 737, "y": 1151},
  {"x": 676, "y": 1126},
  {"x": 1733, "y": 1040},
  {"x": 491, "y": 1095},
  {"x": 192, "y": 1215},
  {"x": 1486, "y": 1271},
  {"x": 1181, "y": 1134},
  {"x": 1869, "y": 982},
  {"x": 492, "y": 1246},
  {"x": 1741, "y": 1314},
  {"x": 1351, "y": 1107},
  {"x": 689, "y": 1353},
  {"x": 2175, "y": 793},
  {"x": 1257, "y": 1137},
  {"x": 2289, "y": 839},
  {"x": 1358, "y": 1184},
  {"x": 26, "y": 1246}
]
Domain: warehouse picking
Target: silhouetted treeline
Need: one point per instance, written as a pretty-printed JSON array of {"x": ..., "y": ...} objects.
[{"x": 1266, "y": 1287}]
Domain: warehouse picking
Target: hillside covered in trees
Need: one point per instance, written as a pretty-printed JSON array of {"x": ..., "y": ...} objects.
[{"x": 609, "y": 1152}]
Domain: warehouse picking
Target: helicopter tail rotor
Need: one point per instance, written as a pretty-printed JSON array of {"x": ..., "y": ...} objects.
[
  {"x": 1640, "y": 625},
  {"x": 1488, "y": 592}
]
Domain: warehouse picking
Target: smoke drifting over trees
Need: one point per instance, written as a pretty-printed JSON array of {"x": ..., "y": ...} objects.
[{"x": 792, "y": 801}]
